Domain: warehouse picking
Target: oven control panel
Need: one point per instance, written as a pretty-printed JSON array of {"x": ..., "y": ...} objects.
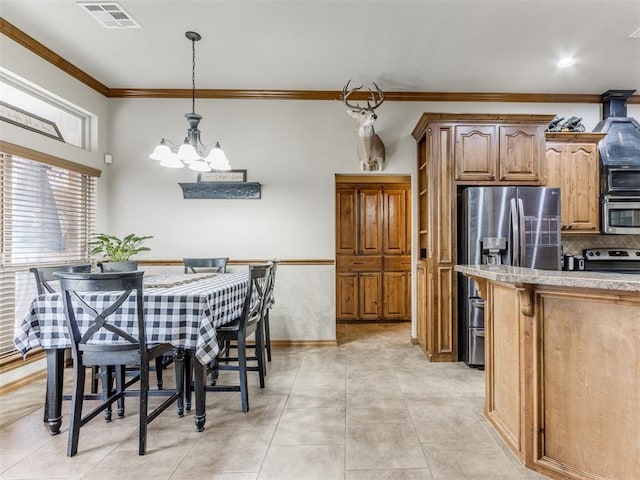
[{"x": 612, "y": 254}]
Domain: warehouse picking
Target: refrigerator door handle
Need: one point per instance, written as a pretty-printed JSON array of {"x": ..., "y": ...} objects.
[
  {"x": 515, "y": 234},
  {"x": 523, "y": 233}
]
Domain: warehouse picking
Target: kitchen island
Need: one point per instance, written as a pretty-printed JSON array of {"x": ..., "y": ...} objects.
[{"x": 563, "y": 368}]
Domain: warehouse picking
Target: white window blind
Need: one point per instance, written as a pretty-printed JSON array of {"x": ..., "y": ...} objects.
[{"x": 48, "y": 214}]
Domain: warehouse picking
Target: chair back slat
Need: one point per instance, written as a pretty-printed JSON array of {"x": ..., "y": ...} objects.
[
  {"x": 44, "y": 275},
  {"x": 197, "y": 265},
  {"x": 84, "y": 293},
  {"x": 255, "y": 301},
  {"x": 270, "y": 299}
]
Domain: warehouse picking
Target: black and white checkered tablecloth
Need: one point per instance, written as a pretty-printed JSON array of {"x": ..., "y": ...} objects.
[{"x": 184, "y": 316}]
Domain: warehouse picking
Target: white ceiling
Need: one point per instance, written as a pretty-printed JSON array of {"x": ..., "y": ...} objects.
[{"x": 422, "y": 45}]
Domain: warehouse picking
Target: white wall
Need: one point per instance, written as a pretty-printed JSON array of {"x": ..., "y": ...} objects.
[{"x": 294, "y": 148}]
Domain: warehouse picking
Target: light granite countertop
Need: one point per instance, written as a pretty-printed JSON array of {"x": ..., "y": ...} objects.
[{"x": 575, "y": 279}]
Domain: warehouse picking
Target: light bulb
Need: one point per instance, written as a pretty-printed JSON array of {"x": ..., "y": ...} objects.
[
  {"x": 171, "y": 162},
  {"x": 199, "y": 166},
  {"x": 187, "y": 153},
  {"x": 161, "y": 152},
  {"x": 217, "y": 159}
]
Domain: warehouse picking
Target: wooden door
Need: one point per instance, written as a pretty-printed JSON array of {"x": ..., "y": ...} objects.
[
  {"x": 394, "y": 221},
  {"x": 370, "y": 221},
  {"x": 394, "y": 287},
  {"x": 475, "y": 152},
  {"x": 346, "y": 221},
  {"x": 347, "y": 297},
  {"x": 580, "y": 192},
  {"x": 370, "y": 291},
  {"x": 521, "y": 153}
]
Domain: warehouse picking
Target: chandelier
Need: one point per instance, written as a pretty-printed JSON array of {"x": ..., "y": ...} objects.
[{"x": 192, "y": 152}]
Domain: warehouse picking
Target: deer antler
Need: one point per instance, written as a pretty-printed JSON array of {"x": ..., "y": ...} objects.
[
  {"x": 345, "y": 94},
  {"x": 377, "y": 101}
]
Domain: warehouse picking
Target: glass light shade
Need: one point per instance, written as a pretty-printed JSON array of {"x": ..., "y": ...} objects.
[
  {"x": 217, "y": 159},
  {"x": 161, "y": 152},
  {"x": 199, "y": 166},
  {"x": 187, "y": 153},
  {"x": 171, "y": 162}
]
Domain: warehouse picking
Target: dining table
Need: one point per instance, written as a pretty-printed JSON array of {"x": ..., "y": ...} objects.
[{"x": 183, "y": 310}]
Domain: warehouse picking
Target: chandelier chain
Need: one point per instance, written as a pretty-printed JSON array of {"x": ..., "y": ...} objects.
[{"x": 193, "y": 76}]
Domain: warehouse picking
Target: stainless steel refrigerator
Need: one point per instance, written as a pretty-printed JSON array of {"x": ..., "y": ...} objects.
[{"x": 517, "y": 226}]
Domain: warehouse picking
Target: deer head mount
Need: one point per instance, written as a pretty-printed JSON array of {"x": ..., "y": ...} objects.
[{"x": 370, "y": 147}]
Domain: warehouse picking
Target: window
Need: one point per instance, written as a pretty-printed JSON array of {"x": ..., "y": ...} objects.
[
  {"x": 47, "y": 208},
  {"x": 72, "y": 122}
]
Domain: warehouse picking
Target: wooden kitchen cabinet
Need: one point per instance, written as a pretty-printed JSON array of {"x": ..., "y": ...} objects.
[
  {"x": 504, "y": 154},
  {"x": 573, "y": 166},
  {"x": 453, "y": 151},
  {"x": 373, "y": 219}
]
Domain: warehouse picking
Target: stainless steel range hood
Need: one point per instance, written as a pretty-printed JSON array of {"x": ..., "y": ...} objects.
[{"x": 621, "y": 147}]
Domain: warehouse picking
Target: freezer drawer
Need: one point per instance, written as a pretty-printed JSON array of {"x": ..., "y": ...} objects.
[
  {"x": 476, "y": 347},
  {"x": 475, "y": 308}
]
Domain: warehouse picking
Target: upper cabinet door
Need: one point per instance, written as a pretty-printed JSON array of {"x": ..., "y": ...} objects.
[
  {"x": 394, "y": 221},
  {"x": 475, "y": 152},
  {"x": 347, "y": 218},
  {"x": 370, "y": 242},
  {"x": 522, "y": 149}
]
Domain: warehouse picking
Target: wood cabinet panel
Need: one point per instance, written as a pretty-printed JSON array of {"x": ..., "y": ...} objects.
[
  {"x": 370, "y": 231},
  {"x": 521, "y": 155},
  {"x": 370, "y": 292},
  {"x": 347, "y": 296},
  {"x": 346, "y": 219},
  {"x": 421, "y": 303},
  {"x": 502, "y": 344},
  {"x": 395, "y": 221},
  {"x": 397, "y": 263},
  {"x": 572, "y": 164},
  {"x": 375, "y": 219},
  {"x": 359, "y": 263},
  {"x": 475, "y": 152},
  {"x": 394, "y": 287}
]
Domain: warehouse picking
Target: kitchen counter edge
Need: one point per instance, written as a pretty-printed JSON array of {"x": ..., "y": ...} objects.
[{"x": 576, "y": 279}]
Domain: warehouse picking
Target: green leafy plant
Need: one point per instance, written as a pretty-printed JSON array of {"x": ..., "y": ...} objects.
[{"x": 117, "y": 249}]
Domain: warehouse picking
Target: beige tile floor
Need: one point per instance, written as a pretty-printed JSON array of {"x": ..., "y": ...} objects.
[{"x": 371, "y": 408}]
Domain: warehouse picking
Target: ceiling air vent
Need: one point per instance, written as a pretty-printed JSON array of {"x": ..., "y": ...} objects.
[{"x": 109, "y": 14}]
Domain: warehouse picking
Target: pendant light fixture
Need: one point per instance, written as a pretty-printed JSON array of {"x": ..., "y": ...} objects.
[{"x": 192, "y": 152}]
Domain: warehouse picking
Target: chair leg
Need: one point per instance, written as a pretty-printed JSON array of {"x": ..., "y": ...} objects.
[
  {"x": 77, "y": 398},
  {"x": 95, "y": 374},
  {"x": 106, "y": 374},
  {"x": 262, "y": 367},
  {"x": 242, "y": 371},
  {"x": 267, "y": 335},
  {"x": 120, "y": 381},
  {"x": 159, "y": 367},
  {"x": 188, "y": 380},
  {"x": 180, "y": 380},
  {"x": 144, "y": 397}
]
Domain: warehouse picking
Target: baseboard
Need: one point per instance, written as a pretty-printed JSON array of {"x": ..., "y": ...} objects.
[
  {"x": 22, "y": 381},
  {"x": 304, "y": 343}
]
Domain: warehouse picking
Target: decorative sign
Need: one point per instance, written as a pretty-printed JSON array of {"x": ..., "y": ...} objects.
[
  {"x": 222, "y": 190},
  {"x": 223, "y": 176},
  {"x": 27, "y": 120}
]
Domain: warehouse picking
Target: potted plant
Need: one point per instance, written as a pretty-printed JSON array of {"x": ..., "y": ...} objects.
[{"x": 117, "y": 252}]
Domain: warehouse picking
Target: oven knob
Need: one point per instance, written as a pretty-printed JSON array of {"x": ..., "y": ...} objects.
[
  {"x": 638, "y": 253},
  {"x": 590, "y": 254},
  {"x": 597, "y": 254}
]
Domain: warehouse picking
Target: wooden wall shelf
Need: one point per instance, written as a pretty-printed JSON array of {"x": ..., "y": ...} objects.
[{"x": 221, "y": 190}]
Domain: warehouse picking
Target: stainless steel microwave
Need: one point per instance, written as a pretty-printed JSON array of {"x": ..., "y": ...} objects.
[{"x": 621, "y": 217}]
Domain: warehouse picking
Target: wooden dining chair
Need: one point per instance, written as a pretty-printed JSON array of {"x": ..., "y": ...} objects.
[
  {"x": 161, "y": 362},
  {"x": 270, "y": 301},
  {"x": 199, "y": 265},
  {"x": 45, "y": 284},
  {"x": 98, "y": 339},
  {"x": 248, "y": 323}
]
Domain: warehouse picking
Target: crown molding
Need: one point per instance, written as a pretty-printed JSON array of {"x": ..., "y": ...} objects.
[{"x": 30, "y": 43}]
